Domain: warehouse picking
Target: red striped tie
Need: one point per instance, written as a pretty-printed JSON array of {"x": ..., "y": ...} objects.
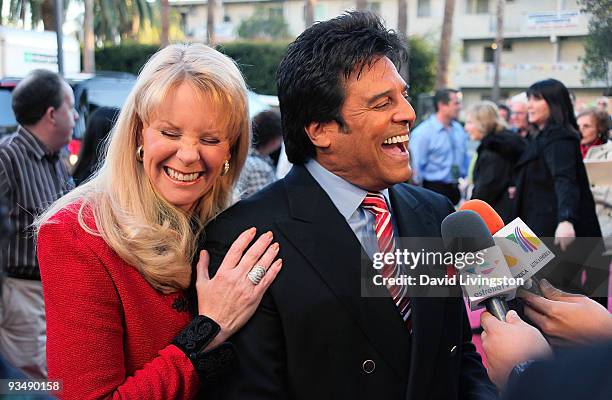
[{"x": 376, "y": 204}]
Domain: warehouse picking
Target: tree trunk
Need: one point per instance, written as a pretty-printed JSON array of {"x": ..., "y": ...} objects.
[
  {"x": 444, "y": 53},
  {"x": 309, "y": 6},
  {"x": 165, "y": 11},
  {"x": 499, "y": 45},
  {"x": 361, "y": 5},
  {"x": 89, "y": 62},
  {"x": 402, "y": 27},
  {"x": 48, "y": 14},
  {"x": 210, "y": 23}
]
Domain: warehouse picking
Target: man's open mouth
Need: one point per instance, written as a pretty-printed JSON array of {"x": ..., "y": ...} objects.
[{"x": 396, "y": 144}]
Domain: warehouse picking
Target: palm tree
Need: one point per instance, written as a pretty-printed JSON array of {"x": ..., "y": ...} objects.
[
  {"x": 210, "y": 22},
  {"x": 113, "y": 19},
  {"x": 308, "y": 12},
  {"x": 165, "y": 11},
  {"x": 402, "y": 27},
  {"x": 499, "y": 45},
  {"x": 89, "y": 60},
  {"x": 444, "y": 53}
]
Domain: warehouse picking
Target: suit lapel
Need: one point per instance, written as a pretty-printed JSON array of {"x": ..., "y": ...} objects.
[
  {"x": 324, "y": 238},
  {"x": 415, "y": 219}
]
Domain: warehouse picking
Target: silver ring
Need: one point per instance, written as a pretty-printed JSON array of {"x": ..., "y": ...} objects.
[{"x": 256, "y": 274}]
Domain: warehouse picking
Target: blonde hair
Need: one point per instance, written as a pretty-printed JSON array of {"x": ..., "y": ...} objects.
[
  {"x": 485, "y": 117},
  {"x": 147, "y": 232}
]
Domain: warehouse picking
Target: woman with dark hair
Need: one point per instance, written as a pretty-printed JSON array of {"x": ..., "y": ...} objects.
[
  {"x": 552, "y": 193},
  {"x": 99, "y": 125}
]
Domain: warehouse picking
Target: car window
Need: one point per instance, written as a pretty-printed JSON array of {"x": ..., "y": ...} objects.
[{"x": 7, "y": 118}]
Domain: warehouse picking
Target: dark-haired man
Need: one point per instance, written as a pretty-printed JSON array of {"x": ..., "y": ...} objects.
[
  {"x": 346, "y": 121},
  {"x": 438, "y": 147},
  {"x": 32, "y": 176},
  {"x": 258, "y": 170}
]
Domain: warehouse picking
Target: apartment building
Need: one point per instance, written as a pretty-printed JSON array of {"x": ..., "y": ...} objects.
[{"x": 543, "y": 38}]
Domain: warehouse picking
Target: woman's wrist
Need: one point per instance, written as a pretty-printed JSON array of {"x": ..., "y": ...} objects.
[{"x": 205, "y": 347}]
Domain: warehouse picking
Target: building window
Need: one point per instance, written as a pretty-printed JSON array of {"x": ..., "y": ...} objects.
[
  {"x": 507, "y": 45},
  {"x": 424, "y": 8},
  {"x": 477, "y": 7}
]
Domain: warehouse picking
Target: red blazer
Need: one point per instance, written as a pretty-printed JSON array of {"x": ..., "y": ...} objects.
[{"x": 108, "y": 330}]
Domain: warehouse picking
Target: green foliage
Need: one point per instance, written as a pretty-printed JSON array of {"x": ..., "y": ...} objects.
[
  {"x": 421, "y": 67},
  {"x": 598, "y": 48},
  {"x": 128, "y": 57},
  {"x": 264, "y": 24},
  {"x": 258, "y": 62}
]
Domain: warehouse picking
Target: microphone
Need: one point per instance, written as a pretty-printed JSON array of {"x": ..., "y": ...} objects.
[
  {"x": 525, "y": 254},
  {"x": 465, "y": 232}
]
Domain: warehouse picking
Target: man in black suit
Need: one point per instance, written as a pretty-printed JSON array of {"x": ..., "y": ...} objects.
[{"x": 315, "y": 335}]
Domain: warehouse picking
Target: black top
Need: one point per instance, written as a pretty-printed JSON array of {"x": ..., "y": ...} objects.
[
  {"x": 494, "y": 170},
  {"x": 552, "y": 185}
]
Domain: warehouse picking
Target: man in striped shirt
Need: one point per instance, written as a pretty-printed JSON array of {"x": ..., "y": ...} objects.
[{"x": 32, "y": 177}]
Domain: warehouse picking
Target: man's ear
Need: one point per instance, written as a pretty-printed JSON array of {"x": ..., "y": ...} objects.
[
  {"x": 50, "y": 114},
  {"x": 320, "y": 133}
]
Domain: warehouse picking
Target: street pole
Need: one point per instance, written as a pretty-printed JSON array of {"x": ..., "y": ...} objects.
[{"x": 59, "y": 9}]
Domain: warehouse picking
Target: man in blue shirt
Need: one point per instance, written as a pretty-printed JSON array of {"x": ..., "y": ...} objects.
[{"x": 438, "y": 147}]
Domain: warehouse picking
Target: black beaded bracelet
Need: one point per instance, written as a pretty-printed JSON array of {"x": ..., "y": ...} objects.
[{"x": 193, "y": 340}]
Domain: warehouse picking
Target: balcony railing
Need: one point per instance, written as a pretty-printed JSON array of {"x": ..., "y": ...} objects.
[
  {"x": 521, "y": 24},
  {"x": 478, "y": 75}
]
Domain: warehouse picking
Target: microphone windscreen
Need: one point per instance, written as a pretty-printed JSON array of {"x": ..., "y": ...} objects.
[
  {"x": 465, "y": 231},
  {"x": 490, "y": 217}
]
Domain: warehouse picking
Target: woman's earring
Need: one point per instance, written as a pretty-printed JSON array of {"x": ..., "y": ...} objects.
[
  {"x": 225, "y": 168},
  {"x": 139, "y": 153}
]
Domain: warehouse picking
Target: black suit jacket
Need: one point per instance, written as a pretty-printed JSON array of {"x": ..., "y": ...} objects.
[
  {"x": 579, "y": 373},
  {"x": 313, "y": 331}
]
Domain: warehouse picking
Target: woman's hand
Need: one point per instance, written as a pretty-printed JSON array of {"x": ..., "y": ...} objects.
[
  {"x": 567, "y": 318},
  {"x": 230, "y": 298},
  {"x": 565, "y": 234}
]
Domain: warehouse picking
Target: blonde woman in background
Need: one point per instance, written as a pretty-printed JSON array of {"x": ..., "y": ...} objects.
[
  {"x": 116, "y": 253},
  {"x": 497, "y": 154}
]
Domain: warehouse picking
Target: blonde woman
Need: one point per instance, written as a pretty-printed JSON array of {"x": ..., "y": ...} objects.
[
  {"x": 498, "y": 152},
  {"x": 115, "y": 253}
]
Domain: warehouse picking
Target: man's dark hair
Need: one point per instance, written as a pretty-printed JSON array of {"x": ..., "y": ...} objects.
[
  {"x": 311, "y": 77},
  {"x": 558, "y": 99},
  {"x": 442, "y": 96},
  {"x": 266, "y": 128},
  {"x": 34, "y": 95},
  {"x": 99, "y": 125}
]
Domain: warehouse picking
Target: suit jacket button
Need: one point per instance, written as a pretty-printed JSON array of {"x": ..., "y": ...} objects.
[{"x": 368, "y": 366}]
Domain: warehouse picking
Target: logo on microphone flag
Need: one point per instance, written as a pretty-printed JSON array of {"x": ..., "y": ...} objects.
[
  {"x": 527, "y": 242},
  {"x": 524, "y": 252}
]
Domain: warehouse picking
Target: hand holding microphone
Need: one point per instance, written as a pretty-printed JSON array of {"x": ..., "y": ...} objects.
[
  {"x": 509, "y": 343},
  {"x": 566, "y": 317}
]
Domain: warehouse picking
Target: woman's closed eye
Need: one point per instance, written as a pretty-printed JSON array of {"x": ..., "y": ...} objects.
[
  {"x": 209, "y": 140},
  {"x": 169, "y": 134}
]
